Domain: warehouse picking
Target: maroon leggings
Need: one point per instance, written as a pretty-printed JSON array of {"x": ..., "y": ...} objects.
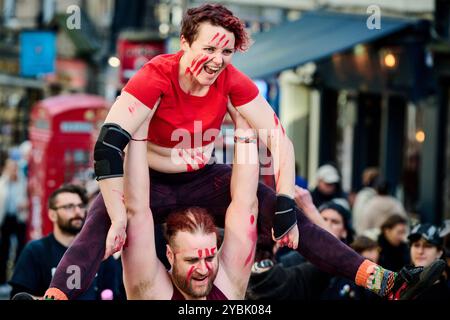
[{"x": 209, "y": 188}]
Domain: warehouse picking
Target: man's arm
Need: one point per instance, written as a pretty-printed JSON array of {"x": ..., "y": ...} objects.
[
  {"x": 240, "y": 235},
  {"x": 144, "y": 275},
  {"x": 304, "y": 201}
]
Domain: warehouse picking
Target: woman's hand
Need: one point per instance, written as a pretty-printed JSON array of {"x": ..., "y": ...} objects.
[{"x": 116, "y": 238}]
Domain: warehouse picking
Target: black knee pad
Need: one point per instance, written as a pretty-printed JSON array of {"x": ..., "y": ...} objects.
[
  {"x": 108, "y": 151},
  {"x": 285, "y": 217}
]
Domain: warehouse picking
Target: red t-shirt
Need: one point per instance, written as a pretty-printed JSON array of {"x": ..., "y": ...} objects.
[{"x": 199, "y": 118}]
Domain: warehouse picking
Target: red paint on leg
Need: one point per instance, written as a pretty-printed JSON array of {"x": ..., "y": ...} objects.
[{"x": 189, "y": 274}]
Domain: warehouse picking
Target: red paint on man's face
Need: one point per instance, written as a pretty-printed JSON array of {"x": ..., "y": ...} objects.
[
  {"x": 226, "y": 42},
  {"x": 189, "y": 274}
]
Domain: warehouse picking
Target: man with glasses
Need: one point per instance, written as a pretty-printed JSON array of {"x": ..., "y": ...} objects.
[{"x": 37, "y": 262}]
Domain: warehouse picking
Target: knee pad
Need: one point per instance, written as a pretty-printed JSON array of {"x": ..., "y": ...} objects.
[
  {"x": 285, "y": 217},
  {"x": 108, "y": 151}
]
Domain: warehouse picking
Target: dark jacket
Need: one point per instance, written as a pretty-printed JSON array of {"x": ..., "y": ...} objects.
[{"x": 393, "y": 258}]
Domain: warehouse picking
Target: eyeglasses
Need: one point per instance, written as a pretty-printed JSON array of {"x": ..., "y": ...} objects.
[{"x": 71, "y": 206}]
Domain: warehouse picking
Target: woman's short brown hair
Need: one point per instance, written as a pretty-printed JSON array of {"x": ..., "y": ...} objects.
[{"x": 217, "y": 15}]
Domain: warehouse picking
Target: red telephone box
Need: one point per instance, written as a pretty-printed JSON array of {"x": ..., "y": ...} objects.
[{"x": 63, "y": 132}]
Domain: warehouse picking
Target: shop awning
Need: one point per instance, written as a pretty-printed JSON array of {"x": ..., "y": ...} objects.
[{"x": 316, "y": 35}]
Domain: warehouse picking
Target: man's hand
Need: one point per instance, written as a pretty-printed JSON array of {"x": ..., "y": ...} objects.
[
  {"x": 116, "y": 238},
  {"x": 303, "y": 199}
]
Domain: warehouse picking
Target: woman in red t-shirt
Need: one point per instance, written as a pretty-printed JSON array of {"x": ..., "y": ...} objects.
[{"x": 186, "y": 96}]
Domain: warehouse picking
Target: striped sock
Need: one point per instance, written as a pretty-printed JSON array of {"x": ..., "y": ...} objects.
[{"x": 375, "y": 278}]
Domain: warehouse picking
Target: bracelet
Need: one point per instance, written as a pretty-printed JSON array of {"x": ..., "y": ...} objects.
[
  {"x": 251, "y": 139},
  {"x": 139, "y": 139}
]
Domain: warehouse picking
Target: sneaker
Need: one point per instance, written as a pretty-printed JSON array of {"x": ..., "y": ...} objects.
[
  {"x": 411, "y": 281},
  {"x": 23, "y": 296}
]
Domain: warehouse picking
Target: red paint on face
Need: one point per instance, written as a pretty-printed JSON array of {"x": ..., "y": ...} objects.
[
  {"x": 189, "y": 168},
  {"x": 200, "y": 253},
  {"x": 189, "y": 274},
  {"x": 252, "y": 219},
  {"x": 220, "y": 40},
  {"x": 207, "y": 253},
  {"x": 213, "y": 250},
  {"x": 199, "y": 64},
  {"x": 208, "y": 266},
  {"x": 226, "y": 42},
  {"x": 215, "y": 37}
]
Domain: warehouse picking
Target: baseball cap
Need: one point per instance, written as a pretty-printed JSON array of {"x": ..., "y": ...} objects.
[
  {"x": 427, "y": 231},
  {"x": 328, "y": 174}
]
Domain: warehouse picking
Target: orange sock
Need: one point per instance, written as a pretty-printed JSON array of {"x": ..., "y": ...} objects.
[{"x": 55, "y": 294}]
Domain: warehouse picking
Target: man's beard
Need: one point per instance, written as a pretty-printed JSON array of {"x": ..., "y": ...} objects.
[
  {"x": 186, "y": 286},
  {"x": 68, "y": 226}
]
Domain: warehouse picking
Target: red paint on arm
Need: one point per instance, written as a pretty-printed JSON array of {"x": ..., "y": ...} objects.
[{"x": 253, "y": 237}]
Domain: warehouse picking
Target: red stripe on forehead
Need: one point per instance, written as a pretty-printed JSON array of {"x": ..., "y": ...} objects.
[
  {"x": 215, "y": 37},
  {"x": 220, "y": 40},
  {"x": 213, "y": 250},
  {"x": 226, "y": 42},
  {"x": 207, "y": 252},
  {"x": 200, "y": 252}
]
